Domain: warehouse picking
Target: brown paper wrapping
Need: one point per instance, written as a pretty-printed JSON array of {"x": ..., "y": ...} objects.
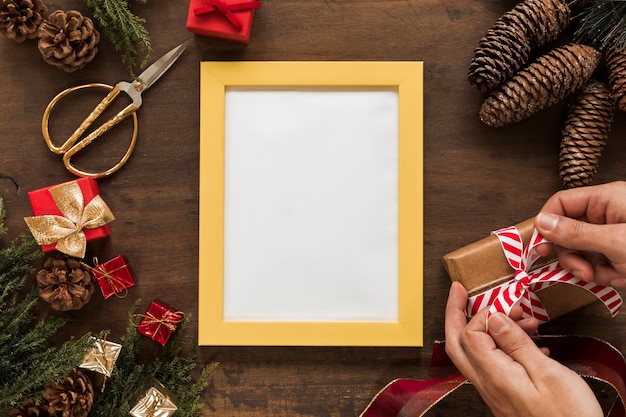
[{"x": 482, "y": 265}]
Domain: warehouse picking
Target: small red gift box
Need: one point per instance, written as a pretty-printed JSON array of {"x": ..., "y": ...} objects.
[
  {"x": 225, "y": 19},
  {"x": 160, "y": 321},
  {"x": 68, "y": 215},
  {"x": 113, "y": 276}
]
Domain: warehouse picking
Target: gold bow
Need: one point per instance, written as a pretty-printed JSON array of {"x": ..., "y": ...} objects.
[{"x": 67, "y": 230}]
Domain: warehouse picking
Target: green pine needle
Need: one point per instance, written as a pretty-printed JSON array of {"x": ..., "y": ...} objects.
[
  {"x": 124, "y": 29},
  {"x": 601, "y": 23},
  {"x": 27, "y": 360}
]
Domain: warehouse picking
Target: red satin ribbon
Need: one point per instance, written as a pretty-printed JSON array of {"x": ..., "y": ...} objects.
[
  {"x": 225, "y": 9},
  {"x": 590, "y": 357}
]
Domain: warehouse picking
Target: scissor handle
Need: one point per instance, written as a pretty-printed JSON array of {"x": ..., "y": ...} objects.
[{"x": 69, "y": 148}]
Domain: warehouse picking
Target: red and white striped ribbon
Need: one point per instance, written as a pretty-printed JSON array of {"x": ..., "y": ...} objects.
[{"x": 523, "y": 286}]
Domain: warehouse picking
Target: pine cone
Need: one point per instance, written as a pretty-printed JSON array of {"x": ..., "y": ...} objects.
[
  {"x": 20, "y": 19},
  {"x": 69, "y": 40},
  {"x": 64, "y": 283},
  {"x": 549, "y": 79},
  {"x": 71, "y": 398},
  {"x": 589, "y": 118},
  {"x": 29, "y": 409},
  {"x": 616, "y": 65},
  {"x": 505, "y": 48}
]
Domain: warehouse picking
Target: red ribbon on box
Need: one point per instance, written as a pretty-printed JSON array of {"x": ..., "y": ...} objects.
[
  {"x": 592, "y": 359},
  {"x": 523, "y": 286},
  {"x": 113, "y": 276},
  {"x": 225, "y": 9},
  {"x": 159, "y": 322}
]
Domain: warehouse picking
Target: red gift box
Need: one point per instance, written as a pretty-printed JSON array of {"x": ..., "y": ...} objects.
[
  {"x": 160, "y": 321},
  {"x": 43, "y": 203},
  {"x": 113, "y": 276},
  {"x": 225, "y": 19}
]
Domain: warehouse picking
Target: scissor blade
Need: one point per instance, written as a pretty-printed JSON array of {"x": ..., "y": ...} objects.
[{"x": 160, "y": 66}]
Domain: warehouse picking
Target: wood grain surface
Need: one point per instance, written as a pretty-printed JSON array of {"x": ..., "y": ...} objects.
[{"x": 476, "y": 179}]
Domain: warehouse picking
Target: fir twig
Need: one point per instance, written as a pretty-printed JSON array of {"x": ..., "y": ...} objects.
[
  {"x": 168, "y": 366},
  {"x": 124, "y": 29},
  {"x": 27, "y": 361},
  {"x": 601, "y": 22}
]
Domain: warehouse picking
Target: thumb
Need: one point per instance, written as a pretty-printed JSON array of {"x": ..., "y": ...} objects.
[
  {"x": 575, "y": 234},
  {"x": 514, "y": 341}
]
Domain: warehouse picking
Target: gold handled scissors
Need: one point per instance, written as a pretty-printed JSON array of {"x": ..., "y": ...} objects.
[{"x": 134, "y": 90}]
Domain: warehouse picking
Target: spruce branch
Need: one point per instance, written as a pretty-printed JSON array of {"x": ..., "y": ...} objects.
[
  {"x": 601, "y": 22},
  {"x": 27, "y": 360},
  {"x": 167, "y": 365},
  {"x": 125, "y": 30}
]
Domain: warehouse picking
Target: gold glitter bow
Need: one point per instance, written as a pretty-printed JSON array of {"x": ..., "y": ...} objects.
[{"x": 67, "y": 230}]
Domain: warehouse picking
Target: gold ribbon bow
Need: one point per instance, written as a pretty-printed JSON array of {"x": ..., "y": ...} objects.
[{"x": 67, "y": 230}]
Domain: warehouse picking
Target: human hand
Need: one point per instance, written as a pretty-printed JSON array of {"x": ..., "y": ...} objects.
[
  {"x": 513, "y": 376},
  {"x": 588, "y": 226}
]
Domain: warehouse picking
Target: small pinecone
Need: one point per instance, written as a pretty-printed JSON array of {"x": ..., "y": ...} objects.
[
  {"x": 29, "y": 409},
  {"x": 549, "y": 79},
  {"x": 68, "y": 41},
  {"x": 20, "y": 19},
  {"x": 65, "y": 283},
  {"x": 71, "y": 398},
  {"x": 616, "y": 66},
  {"x": 506, "y": 46},
  {"x": 589, "y": 118}
]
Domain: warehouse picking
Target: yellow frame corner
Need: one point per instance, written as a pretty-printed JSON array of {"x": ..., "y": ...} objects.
[{"x": 407, "y": 77}]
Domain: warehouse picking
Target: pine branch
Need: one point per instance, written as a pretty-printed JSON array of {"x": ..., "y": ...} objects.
[
  {"x": 124, "y": 29},
  {"x": 168, "y": 366},
  {"x": 601, "y": 22},
  {"x": 27, "y": 361}
]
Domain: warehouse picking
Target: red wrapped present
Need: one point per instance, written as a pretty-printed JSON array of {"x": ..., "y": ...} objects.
[
  {"x": 225, "y": 19},
  {"x": 69, "y": 215},
  {"x": 160, "y": 321},
  {"x": 113, "y": 276}
]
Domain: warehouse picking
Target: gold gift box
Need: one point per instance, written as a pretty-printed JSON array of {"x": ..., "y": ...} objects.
[
  {"x": 102, "y": 357},
  {"x": 155, "y": 403},
  {"x": 482, "y": 265}
]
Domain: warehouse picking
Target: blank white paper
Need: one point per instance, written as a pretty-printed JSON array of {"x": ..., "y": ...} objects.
[{"x": 311, "y": 205}]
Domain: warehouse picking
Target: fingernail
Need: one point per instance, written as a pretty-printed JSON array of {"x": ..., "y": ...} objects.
[
  {"x": 498, "y": 324},
  {"x": 579, "y": 274},
  {"x": 619, "y": 283},
  {"x": 547, "y": 221}
]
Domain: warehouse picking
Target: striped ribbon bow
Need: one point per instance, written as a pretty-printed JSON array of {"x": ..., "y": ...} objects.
[{"x": 523, "y": 286}]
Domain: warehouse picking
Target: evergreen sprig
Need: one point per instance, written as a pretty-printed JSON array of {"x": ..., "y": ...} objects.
[
  {"x": 601, "y": 22},
  {"x": 27, "y": 361},
  {"x": 125, "y": 30},
  {"x": 168, "y": 365}
]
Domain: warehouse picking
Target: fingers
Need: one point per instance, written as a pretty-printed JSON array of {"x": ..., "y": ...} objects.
[
  {"x": 575, "y": 234},
  {"x": 516, "y": 343},
  {"x": 455, "y": 324}
]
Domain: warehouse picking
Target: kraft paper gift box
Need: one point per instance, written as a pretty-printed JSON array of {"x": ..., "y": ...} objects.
[
  {"x": 225, "y": 19},
  {"x": 66, "y": 202},
  {"x": 482, "y": 265}
]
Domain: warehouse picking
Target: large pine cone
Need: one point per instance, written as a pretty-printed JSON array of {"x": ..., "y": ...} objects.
[
  {"x": 20, "y": 19},
  {"x": 71, "y": 398},
  {"x": 65, "y": 283},
  {"x": 30, "y": 410},
  {"x": 69, "y": 40},
  {"x": 616, "y": 65},
  {"x": 589, "y": 118},
  {"x": 549, "y": 79},
  {"x": 506, "y": 47}
]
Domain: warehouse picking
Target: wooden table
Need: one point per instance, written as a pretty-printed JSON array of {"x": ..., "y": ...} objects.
[{"x": 476, "y": 179}]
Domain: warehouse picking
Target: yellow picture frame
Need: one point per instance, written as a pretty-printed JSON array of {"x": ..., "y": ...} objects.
[{"x": 216, "y": 78}]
